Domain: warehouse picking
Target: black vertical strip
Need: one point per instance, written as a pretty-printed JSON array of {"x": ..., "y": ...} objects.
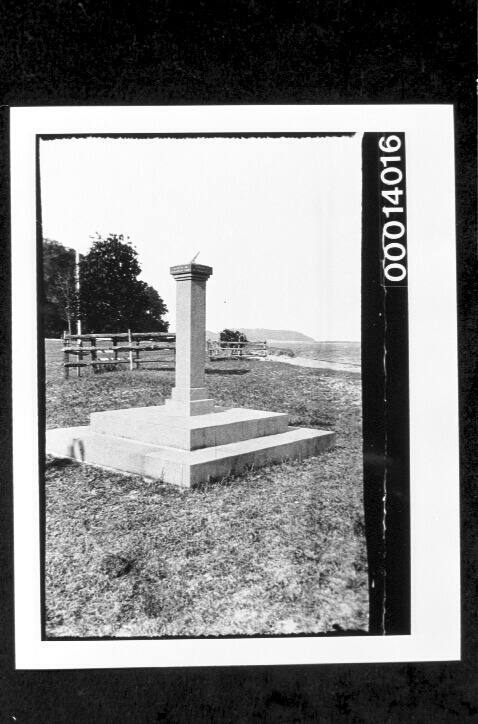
[
  {"x": 385, "y": 413},
  {"x": 7, "y": 619},
  {"x": 40, "y": 379},
  {"x": 397, "y": 555},
  {"x": 373, "y": 387}
]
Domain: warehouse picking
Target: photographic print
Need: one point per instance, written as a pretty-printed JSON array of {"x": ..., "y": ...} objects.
[
  {"x": 255, "y": 395},
  {"x": 225, "y": 356}
]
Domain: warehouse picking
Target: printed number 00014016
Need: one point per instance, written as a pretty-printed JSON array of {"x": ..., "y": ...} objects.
[{"x": 393, "y": 229}]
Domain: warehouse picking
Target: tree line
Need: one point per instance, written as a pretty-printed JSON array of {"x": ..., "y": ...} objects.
[{"x": 111, "y": 297}]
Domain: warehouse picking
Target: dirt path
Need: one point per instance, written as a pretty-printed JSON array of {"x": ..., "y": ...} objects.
[{"x": 315, "y": 363}]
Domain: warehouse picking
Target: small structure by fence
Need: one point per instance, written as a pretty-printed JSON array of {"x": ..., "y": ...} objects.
[
  {"x": 236, "y": 350},
  {"x": 104, "y": 352}
]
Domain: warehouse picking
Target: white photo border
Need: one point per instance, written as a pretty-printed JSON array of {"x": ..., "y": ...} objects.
[{"x": 434, "y": 430}]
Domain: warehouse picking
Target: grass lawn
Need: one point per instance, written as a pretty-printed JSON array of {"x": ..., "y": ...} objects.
[{"x": 276, "y": 550}]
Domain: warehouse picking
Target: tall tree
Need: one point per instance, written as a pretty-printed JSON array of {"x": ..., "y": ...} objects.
[
  {"x": 112, "y": 298},
  {"x": 59, "y": 299},
  {"x": 152, "y": 315}
]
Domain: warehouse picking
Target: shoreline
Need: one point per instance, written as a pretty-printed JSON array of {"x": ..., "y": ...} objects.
[{"x": 315, "y": 364}]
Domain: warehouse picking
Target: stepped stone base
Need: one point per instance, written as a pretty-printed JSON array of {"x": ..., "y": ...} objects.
[
  {"x": 156, "y": 425},
  {"x": 186, "y": 450}
]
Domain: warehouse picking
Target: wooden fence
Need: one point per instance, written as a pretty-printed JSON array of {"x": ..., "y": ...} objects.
[
  {"x": 107, "y": 351},
  {"x": 122, "y": 348}
]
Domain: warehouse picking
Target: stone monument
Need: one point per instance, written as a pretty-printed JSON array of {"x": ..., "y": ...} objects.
[{"x": 188, "y": 440}]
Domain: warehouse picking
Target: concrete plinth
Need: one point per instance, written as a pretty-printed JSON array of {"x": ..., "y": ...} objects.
[
  {"x": 156, "y": 426},
  {"x": 189, "y": 467}
]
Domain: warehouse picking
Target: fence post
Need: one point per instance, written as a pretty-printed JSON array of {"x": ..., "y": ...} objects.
[
  {"x": 136, "y": 353},
  {"x": 79, "y": 358},
  {"x": 93, "y": 352},
  {"x": 66, "y": 359},
  {"x": 130, "y": 342}
]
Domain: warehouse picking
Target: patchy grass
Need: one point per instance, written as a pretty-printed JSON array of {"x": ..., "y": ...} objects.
[{"x": 273, "y": 551}]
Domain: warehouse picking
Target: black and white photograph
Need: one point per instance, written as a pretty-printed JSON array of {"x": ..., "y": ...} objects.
[
  {"x": 226, "y": 353},
  {"x": 239, "y": 375},
  {"x": 208, "y": 344}
]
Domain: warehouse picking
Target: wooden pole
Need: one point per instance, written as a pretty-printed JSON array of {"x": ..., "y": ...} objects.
[
  {"x": 78, "y": 320},
  {"x": 130, "y": 342},
  {"x": 80, "y": 358},
  {"x": 93, "y": 352},
  {"x": 77, "y": 287},
  {"x": 66, "y": 358},
  {"x": 136, "y": 352}
]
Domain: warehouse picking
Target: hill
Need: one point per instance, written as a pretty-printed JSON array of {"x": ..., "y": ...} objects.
[
  {"x": 268, "y": 335},
  {"x": 276, "y": 335}
]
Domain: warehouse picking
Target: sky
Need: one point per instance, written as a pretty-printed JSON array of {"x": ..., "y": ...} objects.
[{"x": 278, "y": 219}]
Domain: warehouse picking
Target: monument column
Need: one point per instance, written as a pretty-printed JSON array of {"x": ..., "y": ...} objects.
[{"x": 189, "y": 396}]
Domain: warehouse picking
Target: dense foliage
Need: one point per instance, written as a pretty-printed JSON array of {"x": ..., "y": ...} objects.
[
  {"x": 112, "y": 297},
  {"x": 58, "y": 299}
]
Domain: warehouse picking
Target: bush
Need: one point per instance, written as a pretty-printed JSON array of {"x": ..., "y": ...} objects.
[
  {"x": 232, "y": 335},
  {"x": 282, "y": 352}
]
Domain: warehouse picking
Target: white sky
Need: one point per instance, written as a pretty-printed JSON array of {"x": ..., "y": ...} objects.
[{"x": 279, "y": 220}]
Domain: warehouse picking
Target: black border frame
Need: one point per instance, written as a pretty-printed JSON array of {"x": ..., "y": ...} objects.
[{"x": 332, "y": 52}]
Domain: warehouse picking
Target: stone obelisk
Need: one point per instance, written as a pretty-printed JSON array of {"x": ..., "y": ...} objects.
[{"x": 189, "y": 396}]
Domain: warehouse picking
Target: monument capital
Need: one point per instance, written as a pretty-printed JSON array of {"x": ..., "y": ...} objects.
[{"x": 190, "y": 272}]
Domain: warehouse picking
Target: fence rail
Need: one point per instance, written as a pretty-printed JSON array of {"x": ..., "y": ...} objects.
[
  {"x": 122, "y": 335},
  {"x": 109, "y": 356}
]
